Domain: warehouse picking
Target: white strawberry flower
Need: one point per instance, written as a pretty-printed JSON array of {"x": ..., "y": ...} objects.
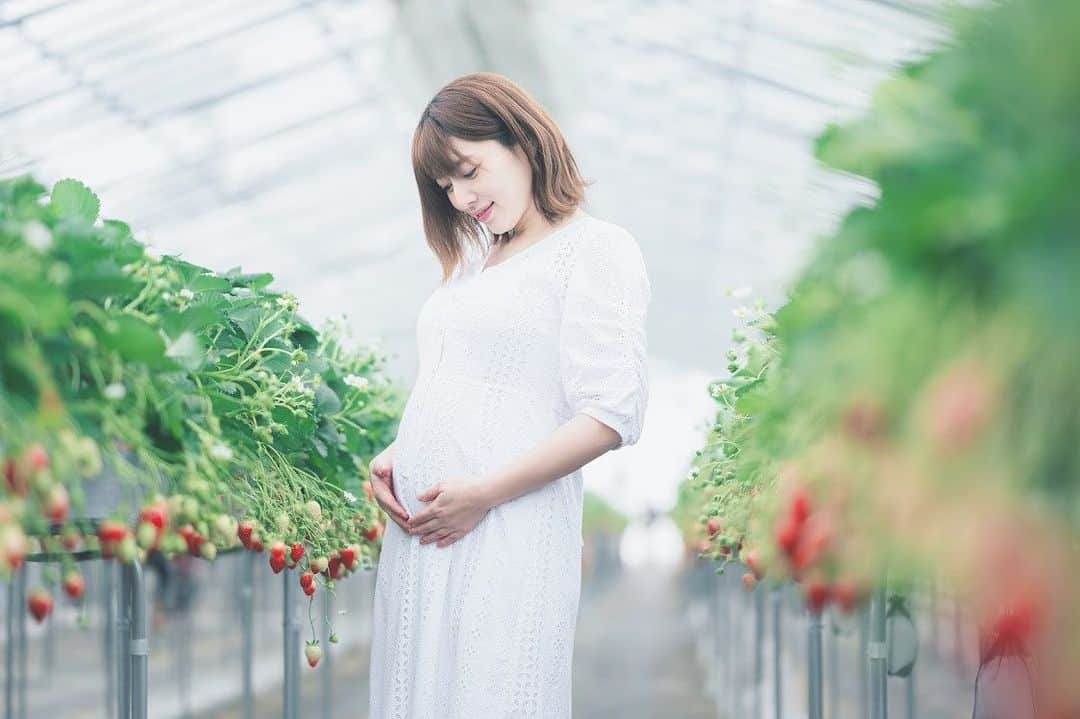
[
  {"x": 37, "y": 236},
  {"x": 740, "y": 292},
  {"x": 741, "y": 312},
  {"x": 220, "y": 451},
  {"x": 187, "y": 294},
  {"x": 360, "y": 383},
  {"x": 115, "y": 391}
]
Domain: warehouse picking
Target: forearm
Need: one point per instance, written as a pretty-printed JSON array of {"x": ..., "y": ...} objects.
[{"x": 573, "y": 445}]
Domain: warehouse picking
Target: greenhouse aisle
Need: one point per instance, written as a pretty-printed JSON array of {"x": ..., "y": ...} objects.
[{"x": 634, "y": 658}]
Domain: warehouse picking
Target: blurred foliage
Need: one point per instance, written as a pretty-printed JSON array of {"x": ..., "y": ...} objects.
[
  {"x": 206, "y": 393},
  {"x": 914, "y": 407}
]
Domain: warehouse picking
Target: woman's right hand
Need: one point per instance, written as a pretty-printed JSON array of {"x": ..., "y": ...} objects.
[{"x": 381, "y": 472}]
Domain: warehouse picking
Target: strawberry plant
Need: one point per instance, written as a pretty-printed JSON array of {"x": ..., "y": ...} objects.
[{"x": 917, "y": 391}]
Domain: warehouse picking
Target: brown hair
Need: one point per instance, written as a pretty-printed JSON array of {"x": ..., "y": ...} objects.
[{"x": 487, "y": 106}]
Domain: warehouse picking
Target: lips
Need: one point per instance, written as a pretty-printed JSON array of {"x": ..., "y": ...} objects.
[{"x": 485, "y": 214}]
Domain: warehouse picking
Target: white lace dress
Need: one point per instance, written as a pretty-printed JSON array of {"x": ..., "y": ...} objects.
[{"x": 484, "y": 628}]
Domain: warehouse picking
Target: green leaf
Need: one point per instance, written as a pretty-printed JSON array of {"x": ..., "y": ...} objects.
[
  {"x": 186, "y": 351},
  {"x": 253, "y": 281},
  {"x": 196, "y": 319},
  {"x": 134, "y": 340},
  {"x": 326, "y": 400},
  {"x": 71, "y": 198}
]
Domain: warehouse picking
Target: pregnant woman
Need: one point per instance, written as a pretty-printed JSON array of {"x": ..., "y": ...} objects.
[{"x": 532, "y": 364}]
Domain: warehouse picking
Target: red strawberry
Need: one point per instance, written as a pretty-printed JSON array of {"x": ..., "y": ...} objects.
[
  {"x": 799, "y": 507},
  {"x": 814, "y": 540},
  {"x": 244, "y": 530},
  {"x": 749, "y": 581},
  {"x": 111, "y": 531},
  {"x": 155, "y": 515},
  {"x": 309, "y": 589},
  {"x": 313, "y": 652},
  {"x": 372, "y": 533},
  {"x": 71, "y": 539},
  {"x": 333, "y": 567},
  {"x": 13, "y": 544},
  {"x": 277, "y": 549},
  {"x": 74, "y": 585},
  {"x": 752, "y": 560},
  {"x": 306, "y": 579},
  {"x": 57, "y": 504},
  {"x": 787, "y": 535},
  {"x": 348, "y": 556},
  {"x": 714, "y": 525},
  {"x": 15, "y": 477},
  {"x": 40, "y": 604},
  {"x": 847, "y": 594},
  {"x": 256, "y": 545},
  {"x": 817, "y": 594},
  {"x": 296, "y": 551},
  {"x": 36, "y": 456}
]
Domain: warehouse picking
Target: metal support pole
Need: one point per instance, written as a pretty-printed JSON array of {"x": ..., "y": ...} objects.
[
  {"x": 108, "y": 605},
  {"x": 716, "y": 599},
  {"x": 122, "y": 658},
  {"x": 877, "y": 657},
  {"x": 9, "y": 652},
  {"x": 935, "y": 637},
  {"x": 291, "y": 630},
  {"x": 21, "y": 616},
  {"x": 327, "y": 679},
  {"x": 137, "y": 647},
  {"x": 832, "y": 672},
  {"x": 48, "y": 657},
  {"x": 247, "y": 629},
  {"x": 863, "y": 664},
  {"x": 778, "y": 678},
  {"x": 759, "y": 651},
  {"x": 909, "y": 685},
  {"x": 731, "y": 684},
  {"x": 814, "y": 660}
]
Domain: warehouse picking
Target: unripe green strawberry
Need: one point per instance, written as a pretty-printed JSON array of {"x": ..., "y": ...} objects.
[
  {"x": 208, "y": 551},
  {"x": 313, "y": 652},
  {"x": 147, "y": 535},
  {"x": 128, "y": 551}
]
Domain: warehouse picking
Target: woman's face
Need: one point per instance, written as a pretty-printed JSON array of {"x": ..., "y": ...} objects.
[{"x": 493, "y": 184}]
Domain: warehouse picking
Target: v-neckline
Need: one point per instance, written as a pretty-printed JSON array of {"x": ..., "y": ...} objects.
[{"x": 484, "y": 269}]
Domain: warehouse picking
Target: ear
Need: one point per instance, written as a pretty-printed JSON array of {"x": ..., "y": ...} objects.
[{"x": 430, "y": 493}]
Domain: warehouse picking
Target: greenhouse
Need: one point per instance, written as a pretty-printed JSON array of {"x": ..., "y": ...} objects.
[{"x": 774, "y": 417}]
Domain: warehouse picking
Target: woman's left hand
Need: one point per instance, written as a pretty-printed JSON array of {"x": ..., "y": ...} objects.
[{"x": 456, "y": 508}]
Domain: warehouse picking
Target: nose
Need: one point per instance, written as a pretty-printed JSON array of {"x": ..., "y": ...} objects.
[{"x": 465, "y": 198}]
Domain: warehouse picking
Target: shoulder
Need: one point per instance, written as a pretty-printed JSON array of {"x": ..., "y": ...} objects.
[
  {"x": 601, "y": 240},
  {"x": 604, "y": 247}
]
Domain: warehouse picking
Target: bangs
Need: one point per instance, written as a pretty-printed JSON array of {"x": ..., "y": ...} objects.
[{"x": 433, "y": 155}]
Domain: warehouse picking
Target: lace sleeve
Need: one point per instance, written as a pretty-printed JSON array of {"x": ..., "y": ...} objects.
[{"x": 602, "y": 342}]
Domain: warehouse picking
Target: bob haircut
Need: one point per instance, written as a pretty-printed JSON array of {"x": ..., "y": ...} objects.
[{"x": 487, "y": 106}]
